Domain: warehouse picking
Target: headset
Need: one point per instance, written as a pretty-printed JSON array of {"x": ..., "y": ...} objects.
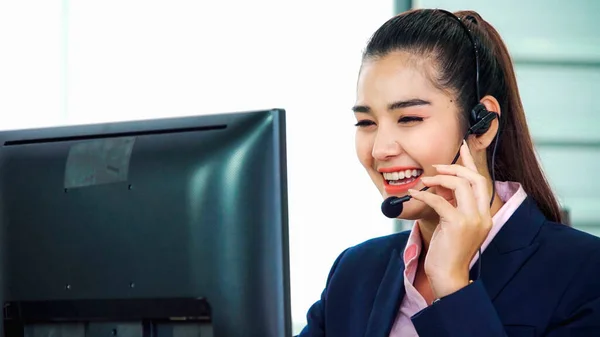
[{"x": 480, "y": 121}]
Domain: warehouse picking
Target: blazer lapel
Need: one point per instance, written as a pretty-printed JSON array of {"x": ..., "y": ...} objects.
[
  {"x": 507, "y": 253},
  {"x": 387, "y": 299},
  {"x": 511, "y": 248}
]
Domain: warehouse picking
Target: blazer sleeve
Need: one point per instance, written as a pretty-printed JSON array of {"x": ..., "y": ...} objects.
[
  {"x": 315, "y": 317},
  {"x": 467, "y": 312},
  {"x": 470, "y": 312}
]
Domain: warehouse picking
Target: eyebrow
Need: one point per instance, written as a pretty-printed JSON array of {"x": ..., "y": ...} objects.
[{"x": 393, "y": 106}]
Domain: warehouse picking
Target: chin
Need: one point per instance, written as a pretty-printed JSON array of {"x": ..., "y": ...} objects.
[{"x": 415, "y": 210}]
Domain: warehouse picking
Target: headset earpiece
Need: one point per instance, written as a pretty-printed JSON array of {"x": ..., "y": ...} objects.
[{"x": 481, "y": 119}]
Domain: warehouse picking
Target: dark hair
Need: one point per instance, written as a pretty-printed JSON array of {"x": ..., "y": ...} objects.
[{"x": 434, "y": 34}]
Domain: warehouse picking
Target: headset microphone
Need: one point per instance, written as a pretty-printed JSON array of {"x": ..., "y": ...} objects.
[{"x": 392, "y": 207}]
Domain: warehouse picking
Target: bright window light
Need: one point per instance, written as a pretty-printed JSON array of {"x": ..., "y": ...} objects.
[{"x": 98, "y": 61}]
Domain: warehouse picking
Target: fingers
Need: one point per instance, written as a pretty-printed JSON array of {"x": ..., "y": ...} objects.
[
  {"x": 470, "y": 190},
  {"x": 467, "y": 158},
  {"x": 440, "y": 205},
  {"x": 465, "y": 199},
  {"x": 469, "y": 171},
  {"x": 477, "y": 182}
]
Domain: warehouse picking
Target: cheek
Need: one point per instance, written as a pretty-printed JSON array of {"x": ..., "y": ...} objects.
[
  {"x": 447, "y": 144},
  {"x": 431, "y": 146},
  {"x": 364, "y": 148}
]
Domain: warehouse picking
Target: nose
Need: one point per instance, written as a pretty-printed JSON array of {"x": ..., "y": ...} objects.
[{"x": 386, "y": 146}]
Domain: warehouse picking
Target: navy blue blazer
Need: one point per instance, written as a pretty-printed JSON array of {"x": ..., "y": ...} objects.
[{"x": 538, "y": 278}]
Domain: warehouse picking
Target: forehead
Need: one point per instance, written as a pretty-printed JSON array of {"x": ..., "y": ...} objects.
[{"x": 397, "y": 75}]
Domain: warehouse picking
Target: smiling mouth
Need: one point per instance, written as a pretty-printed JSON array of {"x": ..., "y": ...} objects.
[{"x": 400, "y": 178}]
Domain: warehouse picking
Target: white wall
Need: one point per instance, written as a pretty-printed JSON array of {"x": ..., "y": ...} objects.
[
  {"x": 31, "y": 63},
  {"x": 83, "y": 61}
]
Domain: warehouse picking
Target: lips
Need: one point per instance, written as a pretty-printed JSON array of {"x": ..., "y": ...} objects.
[{"x": 400, "y": 179}]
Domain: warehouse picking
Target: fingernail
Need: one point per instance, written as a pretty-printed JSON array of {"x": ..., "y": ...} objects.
[
  {"x": 425, "y": 179},
  {"x": 439, "y": 165},
  {"x": 411, "y": 191},
  {"x": 464, "y": 142}
]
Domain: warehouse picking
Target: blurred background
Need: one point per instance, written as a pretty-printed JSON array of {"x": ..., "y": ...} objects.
[{"x": 76, "y": 61}]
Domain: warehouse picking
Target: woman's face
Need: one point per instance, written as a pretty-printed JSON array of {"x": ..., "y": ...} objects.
[{"x": 405, "y": 125}]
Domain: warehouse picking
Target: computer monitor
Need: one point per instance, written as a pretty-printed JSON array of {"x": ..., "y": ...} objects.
[{"x": 168, "y": 227}]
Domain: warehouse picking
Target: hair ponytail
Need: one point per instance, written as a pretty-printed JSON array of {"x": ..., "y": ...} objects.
[
  {"x": 429, "y": 32},
  {"x": 516, "y": 158}
]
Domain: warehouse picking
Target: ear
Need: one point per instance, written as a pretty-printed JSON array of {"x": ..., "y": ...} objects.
[{"x": 481, "y": 142}]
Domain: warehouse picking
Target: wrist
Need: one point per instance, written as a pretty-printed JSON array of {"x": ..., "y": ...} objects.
[{"x": 443, "y": 286}]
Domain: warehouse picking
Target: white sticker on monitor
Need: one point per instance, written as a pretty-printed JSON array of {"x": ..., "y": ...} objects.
[{"x": 97, "y": 162}]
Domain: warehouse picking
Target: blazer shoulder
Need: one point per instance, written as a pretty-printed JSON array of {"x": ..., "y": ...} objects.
[
  {"x": 567, "y": 240},
  {"x": 373, "y": 251},
  {"x": 576, "y": 255},
  {"x": 572, "y": 253}
]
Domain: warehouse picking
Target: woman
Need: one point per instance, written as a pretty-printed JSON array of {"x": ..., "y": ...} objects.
[{"x": 487, "y": 255}]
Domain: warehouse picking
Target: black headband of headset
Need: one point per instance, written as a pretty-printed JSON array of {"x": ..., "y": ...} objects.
[{"x": 473, "y": 42}]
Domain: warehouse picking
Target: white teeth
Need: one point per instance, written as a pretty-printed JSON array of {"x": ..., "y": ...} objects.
[{"x": 392, "y": 176}]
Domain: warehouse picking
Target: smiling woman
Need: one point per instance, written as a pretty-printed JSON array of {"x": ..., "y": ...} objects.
[
  {"x": 401, "y": 112},
  {"x": 438, "y": 88}
]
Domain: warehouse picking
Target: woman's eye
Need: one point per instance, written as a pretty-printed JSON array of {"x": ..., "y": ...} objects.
[
  {"x": 410, "y": 119},
  {"x": 364, "y": 123}
]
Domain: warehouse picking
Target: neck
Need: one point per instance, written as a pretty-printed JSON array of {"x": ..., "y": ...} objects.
[{"x": 428, "y": 225}]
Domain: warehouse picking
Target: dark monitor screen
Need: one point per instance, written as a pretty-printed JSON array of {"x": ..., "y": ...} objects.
[{"x": 102, "y": 222}]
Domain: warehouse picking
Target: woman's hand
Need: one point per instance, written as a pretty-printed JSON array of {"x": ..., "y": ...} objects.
[{"x": 462, "y": 229}]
